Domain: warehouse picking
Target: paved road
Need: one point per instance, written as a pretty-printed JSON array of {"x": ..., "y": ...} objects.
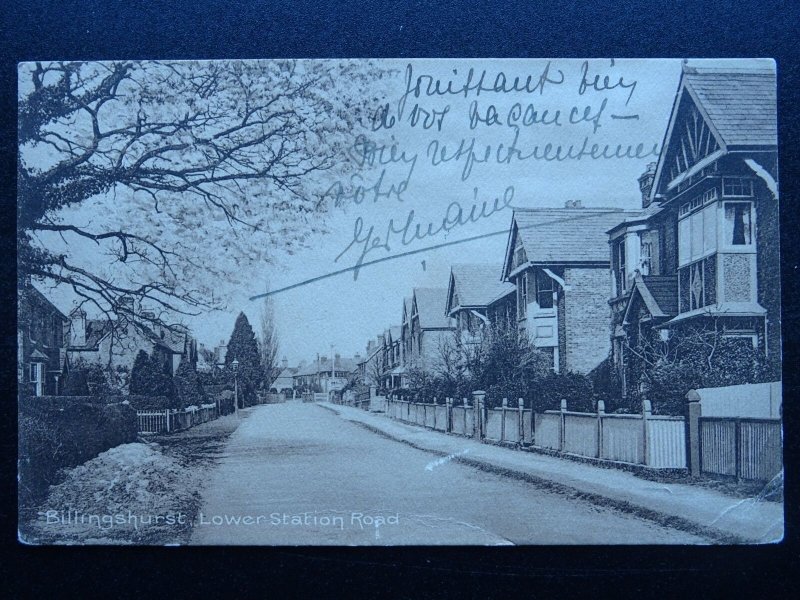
[{"x": 296, "y": 473}]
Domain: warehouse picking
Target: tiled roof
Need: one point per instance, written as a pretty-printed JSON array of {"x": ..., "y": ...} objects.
[
  {"x": 742, "y": 105},
  {"x": 431, "y": 304},
  {"x": 664, "y": 289},
  {"x": 559, "y": 235},
  {"x": 479, "y": 285}
]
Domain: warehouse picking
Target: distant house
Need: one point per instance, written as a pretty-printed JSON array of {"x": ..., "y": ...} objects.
[
  {"x": 325, "y": 375},
  {"x": 284, "y": 382},
  {"x": 40, "y": 343},
  {"x": 558, "y": 260},
  {"x": 477, "y": 298},
  {"x": 430, "y": 327},
  {"x": 704, "y": 247},
  {"x": 116, "y": 342}
]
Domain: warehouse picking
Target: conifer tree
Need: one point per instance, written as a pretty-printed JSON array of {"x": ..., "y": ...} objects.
[{"x": 243, "y": 347}]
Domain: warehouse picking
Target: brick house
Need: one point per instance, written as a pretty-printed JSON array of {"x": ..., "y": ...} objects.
[
  {"x": 704, "y": 247},
  {"x": 558, "y": 260},
  {"x": 41, "y": 351},
  {"x": 476, "y": 298}
]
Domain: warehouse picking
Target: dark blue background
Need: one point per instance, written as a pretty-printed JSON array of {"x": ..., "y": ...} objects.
[{"x": 246, "y": 29}]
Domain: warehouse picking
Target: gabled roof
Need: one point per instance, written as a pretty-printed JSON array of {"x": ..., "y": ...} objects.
[
  {"x": 407, "y": 309},
  {"x": 431, "y": 303},
  {"x": 563, "y": 235},
  {"x": 475, "y": 286},
  {"x": 30, "y": 294},
  {"x": 659, "y": 294},
  {"x": 739, "y": 106}
]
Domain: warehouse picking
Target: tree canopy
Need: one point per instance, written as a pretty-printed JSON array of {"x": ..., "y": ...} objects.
[{"x": 157, "y": 180}]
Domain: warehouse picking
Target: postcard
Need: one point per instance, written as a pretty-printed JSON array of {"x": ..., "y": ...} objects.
[{"x": 399, "y": 302}]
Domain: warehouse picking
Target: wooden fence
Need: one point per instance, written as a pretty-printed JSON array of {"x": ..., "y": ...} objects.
[
  {"x": 743, "y": 448},
  {"x": 171, "y": 419},
  {"x": 645, "y": 439}
]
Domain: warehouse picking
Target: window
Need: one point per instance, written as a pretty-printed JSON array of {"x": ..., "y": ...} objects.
[
  {"x": 522, "y": 295},
  {"x": 36, "y": 378},
  {"x": 621, "y": 273},
  {"x": 738, "y": 224},
  {"x": 544, "y": 290},
  {"x": 697, "y": 235},
  {"x": 647, "y": 251},
  {"x": 737, "y": 186}
]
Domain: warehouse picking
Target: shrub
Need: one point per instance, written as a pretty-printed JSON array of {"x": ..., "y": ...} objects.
[
  {"x": 59, "y": 432},
  {"x": 75, "y": 383},
  {"x": 147, "y": 379},
  {"x": 187, "y": 385}
]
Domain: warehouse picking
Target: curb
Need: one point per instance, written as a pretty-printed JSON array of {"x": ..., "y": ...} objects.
[{"x": 715, "y": 536}]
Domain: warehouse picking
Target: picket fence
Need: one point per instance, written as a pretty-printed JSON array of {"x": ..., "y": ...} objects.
[{"x": 170, "y": 420}]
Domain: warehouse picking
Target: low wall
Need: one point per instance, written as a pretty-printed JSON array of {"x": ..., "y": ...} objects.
[{"x": 752, "y": 401}]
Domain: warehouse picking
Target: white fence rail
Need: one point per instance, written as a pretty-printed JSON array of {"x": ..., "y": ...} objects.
[{"x": 151, "y": 422}]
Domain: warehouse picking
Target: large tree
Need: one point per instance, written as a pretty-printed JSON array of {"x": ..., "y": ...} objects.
[
  {"x": 158, "y": 180},
  {"x": 269, "y": 341},
  {"x": 243, "y": 347}
]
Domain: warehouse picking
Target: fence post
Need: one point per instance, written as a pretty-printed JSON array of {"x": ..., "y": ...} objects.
[
  {"x": 167, "y": 414},
  {"x": 466, "y": 408},
  {"x": 503, "y": 420},
  {"x": 647, "y": 411},
  {"x": 478, "y": 396},
  {"x": 601, "y": 410},
  {"x": 693, "y": 450},
  {"x": 737, "y": 448},
  {"x": 521, "y": 421},
  {"x": 562, "y": 430}
]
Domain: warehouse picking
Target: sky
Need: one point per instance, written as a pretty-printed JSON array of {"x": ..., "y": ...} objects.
[
  {"x": 346, "y": 313},
  {"x": 420, "y": 179}
]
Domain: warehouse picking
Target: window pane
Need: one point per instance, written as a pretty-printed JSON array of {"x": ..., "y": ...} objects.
[
  {"x": 709, "y": 228},
  {"x": 544, "y": 290},
  {"x": 697, "y": 234},
  {"x": 738, "y": 228},
  {"x": 684, "y": 242}
]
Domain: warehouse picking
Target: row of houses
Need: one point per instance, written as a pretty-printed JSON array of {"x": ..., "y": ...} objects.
[
  {"x": 50, "y": 341},
  {"x": 584, "y": 283}
]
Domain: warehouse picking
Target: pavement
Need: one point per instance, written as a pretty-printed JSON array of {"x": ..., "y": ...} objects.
[
  {"x": 310, "y": 474},
  {"x": 691, "y": 508}
]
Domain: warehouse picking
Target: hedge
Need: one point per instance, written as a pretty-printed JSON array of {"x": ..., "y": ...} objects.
[{"x": 60, "y": 432}]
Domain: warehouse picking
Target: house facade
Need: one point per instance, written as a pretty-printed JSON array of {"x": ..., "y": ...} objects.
[
  {"x": 41, "y": 350},
  {"x": 478, "y": 299},
  {"x": 430, "y": 327},
  {"x": 558, "y": 260},
  {"x": 116, "y": 342},
  {"x": 703, "y": 251}
]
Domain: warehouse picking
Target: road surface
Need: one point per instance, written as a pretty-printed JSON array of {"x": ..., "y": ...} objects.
[{"x": 297, "y": 474}]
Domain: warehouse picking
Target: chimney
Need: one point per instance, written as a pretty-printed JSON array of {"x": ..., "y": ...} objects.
[
  {"x": 337, "y": 357},
  {"x": 646, "y": 183},
  {"x": 572, "y": 204},
  {"x": 77, "y": 327},
  {"x": 284, "y": 363}
]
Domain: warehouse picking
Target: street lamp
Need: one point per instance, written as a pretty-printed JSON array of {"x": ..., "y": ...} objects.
[{"x": 235, "y": 365}]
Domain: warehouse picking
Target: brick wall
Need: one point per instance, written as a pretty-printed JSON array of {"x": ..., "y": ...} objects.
[{"x": 586, "y": 318}]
